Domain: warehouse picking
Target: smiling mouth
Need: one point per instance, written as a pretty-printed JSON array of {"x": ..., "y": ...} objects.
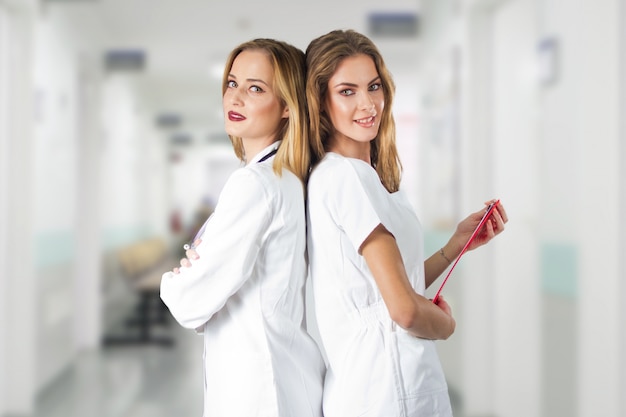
[
  {"x": 367, "y": 122},
  {"x": 235, "y": 117}
]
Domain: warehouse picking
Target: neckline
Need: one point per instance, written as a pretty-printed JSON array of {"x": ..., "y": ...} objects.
[
  {"x": 266, "y": 153},
  {"x": 269, "y": 155}
]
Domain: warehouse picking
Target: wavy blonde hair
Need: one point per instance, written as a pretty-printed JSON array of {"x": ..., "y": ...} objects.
[
  {"x": 323, "y": 56},
  {"x": 288, "y": 63}
]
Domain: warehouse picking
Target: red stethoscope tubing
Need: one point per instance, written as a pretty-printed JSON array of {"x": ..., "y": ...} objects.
[{"x": 480, "y": 225}]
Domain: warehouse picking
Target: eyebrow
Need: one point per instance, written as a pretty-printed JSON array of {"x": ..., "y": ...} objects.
[
  {"x": 251, "y": 80},
  {"x": 355, "y": 85}
]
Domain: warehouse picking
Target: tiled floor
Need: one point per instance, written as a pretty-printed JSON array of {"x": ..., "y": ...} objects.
[
  {"x": 131, "y": 381},
  {"x": 135, "y": 381}
]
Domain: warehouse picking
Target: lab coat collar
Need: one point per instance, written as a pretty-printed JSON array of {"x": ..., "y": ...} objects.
[{"x": 265, "y": 151}]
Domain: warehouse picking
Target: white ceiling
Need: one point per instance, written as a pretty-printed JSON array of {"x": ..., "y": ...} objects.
[{"x": 185, "y": 39}]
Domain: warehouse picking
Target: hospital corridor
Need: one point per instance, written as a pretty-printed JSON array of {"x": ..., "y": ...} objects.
[{"x": 113, "y": 153}]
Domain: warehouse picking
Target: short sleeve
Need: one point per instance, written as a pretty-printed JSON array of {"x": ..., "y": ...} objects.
[{"x": 357, "y": 199}]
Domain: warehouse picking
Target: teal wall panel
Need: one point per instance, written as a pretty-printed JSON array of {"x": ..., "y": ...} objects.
[{"x": 559, "y": 269}]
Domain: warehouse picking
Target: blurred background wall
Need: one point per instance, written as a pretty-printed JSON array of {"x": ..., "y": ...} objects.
[{"x": 517, "y": 99}]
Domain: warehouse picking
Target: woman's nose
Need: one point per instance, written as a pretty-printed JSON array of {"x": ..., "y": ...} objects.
[
  {"x": 234, "y": 96},
  {"x": 367, "y": 104}
]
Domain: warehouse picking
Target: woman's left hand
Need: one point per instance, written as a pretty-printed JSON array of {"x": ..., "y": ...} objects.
[
  {"x": 190, "y": 254},
  {"x": 492, "y": 227}
]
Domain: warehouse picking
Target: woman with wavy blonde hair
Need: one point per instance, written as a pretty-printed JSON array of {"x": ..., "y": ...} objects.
[
  {"x": 365, "y": 244},
  {"x": 242, "y": 282},
  {"x": 337, "y": 46},
  {"x": 288, "y": 73}
]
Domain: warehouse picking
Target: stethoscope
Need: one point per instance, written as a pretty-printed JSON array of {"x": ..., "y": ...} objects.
[{"x": 191, "y": 245}]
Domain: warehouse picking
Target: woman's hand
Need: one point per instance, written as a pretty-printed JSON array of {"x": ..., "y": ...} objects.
[
  {"x": 492, "y": 227},
  {"x": 445, "y": 307},
  {"x": 191, "y": 255},
  {"x": 408, "y": 309},
  {"x": 443, "y": 304}
]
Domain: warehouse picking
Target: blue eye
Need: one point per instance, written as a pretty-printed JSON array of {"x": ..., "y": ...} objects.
[
  {"x": 256, "y": 89},
  {"x": 231, "y": 84},
  {"x": 375, "y": 87}
]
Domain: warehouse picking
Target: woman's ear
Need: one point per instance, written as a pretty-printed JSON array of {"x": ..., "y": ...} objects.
[{"x": 285, "y": 113}]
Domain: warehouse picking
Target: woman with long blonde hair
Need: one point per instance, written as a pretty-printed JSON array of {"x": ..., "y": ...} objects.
[
  {"x": 365, "y": 244},
  {"x": 242, "y": 282}
]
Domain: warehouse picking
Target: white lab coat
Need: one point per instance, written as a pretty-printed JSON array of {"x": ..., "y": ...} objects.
[
  {"x": 375, "y": 368},
  {"x": 245, "y": 294}
]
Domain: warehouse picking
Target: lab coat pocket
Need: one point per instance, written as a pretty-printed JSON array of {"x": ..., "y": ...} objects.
[
  {"x": 418, "y": 370},
  {"x": 239, "y": 384}
]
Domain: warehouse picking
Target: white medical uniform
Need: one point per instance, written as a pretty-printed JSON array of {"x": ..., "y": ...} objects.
[
  {"x": 375, "y": 367},
  {"x": 245, "y": 294}
]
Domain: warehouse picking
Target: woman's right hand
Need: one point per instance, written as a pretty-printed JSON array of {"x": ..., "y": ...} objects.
[
  {"x": 408, "y": 309},
  {"x": 445, "y": 307},
  {"x": 443, "y": 304},
  {"x": 191, "y": 255}
]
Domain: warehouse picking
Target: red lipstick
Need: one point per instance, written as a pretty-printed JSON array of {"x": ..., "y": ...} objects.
[{"x": 235, "y": 117}]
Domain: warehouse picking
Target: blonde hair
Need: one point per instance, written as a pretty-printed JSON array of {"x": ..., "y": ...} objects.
[
  {"x": 288, "y": 63},
  {"x": 323, "y": 56}
]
